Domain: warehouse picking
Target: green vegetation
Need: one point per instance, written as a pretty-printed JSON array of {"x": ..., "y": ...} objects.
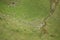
[{"x": 22, "y": 19}]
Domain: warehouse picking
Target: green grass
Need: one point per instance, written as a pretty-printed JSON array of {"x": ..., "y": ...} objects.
[
  {"x": 54, "y": 24},
  {"x": 19, "y": 21},
  {"x": 28, "y": 9}
]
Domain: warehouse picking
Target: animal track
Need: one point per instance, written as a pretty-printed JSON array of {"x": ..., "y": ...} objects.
[{"x": 53, "y": 4}]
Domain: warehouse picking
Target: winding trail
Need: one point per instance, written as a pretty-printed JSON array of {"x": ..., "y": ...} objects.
[{"x": 53, "y": 4}]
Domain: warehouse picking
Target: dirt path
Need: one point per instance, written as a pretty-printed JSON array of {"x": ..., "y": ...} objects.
[{"x": 53, "y": 5}]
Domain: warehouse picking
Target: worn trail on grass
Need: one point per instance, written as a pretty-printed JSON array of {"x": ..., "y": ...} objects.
[{"x": 53, "y": 5}]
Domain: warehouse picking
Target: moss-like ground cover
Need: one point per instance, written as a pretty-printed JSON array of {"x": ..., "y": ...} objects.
[{"x": 21, "y": 20}]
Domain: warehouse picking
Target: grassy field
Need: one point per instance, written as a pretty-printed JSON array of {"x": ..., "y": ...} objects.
[{"x": 21, "y": 20}]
